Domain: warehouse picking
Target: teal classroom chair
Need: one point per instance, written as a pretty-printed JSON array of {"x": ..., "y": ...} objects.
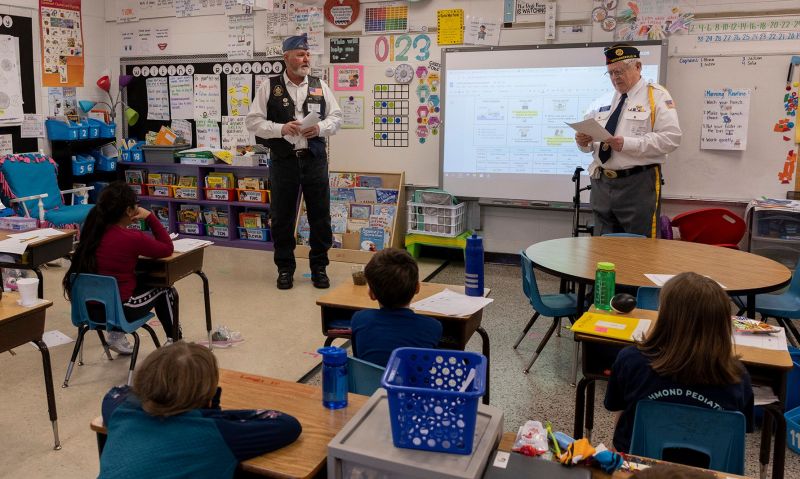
[
  {"x": 647, "y": 298},
  {"x": 556, "y": 306},
  {"x": 28, "y": 183},
  {"x": 695, "y": 436},
  {"x": 107, "y": 316},
  {"x": 363, "y": 377},
  {"x": 784, "y": 307}
]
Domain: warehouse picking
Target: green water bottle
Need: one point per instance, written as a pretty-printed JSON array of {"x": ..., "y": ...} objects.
[{"x": 604, "y": 279}]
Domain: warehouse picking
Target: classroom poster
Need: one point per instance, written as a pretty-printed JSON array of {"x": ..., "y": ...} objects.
[
  {"x": 310, "y": 19},
  {"x": 10, "y": 82},
  {"x": 207, "y": 133},
  {"x": 482, "y": 31},
  {"x": 138, "y": 42},
  {"x": 726, "y": 114},
  {"x": 157, "y": 98},
  {"x": 207, "y": 97},
  {"x": 181, "y": 97},
  {"x": 6, "y": 145},
  {"x": 240, "y": 37},
  {"x": 240, "y": 94},
  {"x": 32, "y": 126},
  {"x": 183, "y": 129},
  {"x": 348, "y": 77},
  {"x": 196, "y": 8},
  {"x": 276, "y": 27},
  {"x": 653, "y": 19},
  {"x": 259, "y": 80},
  {"x": 239, "y": 7},
  {"x": 234, "y": 133},
  {"x": 450, "y": 26},
  {"x": 127, "y": 10},
  {"x": 62, "y": 102},
  {"x": 61, "y": 38},
  {"x": 352, "y": 112}
]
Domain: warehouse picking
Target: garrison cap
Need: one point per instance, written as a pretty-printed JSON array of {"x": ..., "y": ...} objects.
[
  {"x": 620, "y": 52},
  {"x": 296, "y": 42}
]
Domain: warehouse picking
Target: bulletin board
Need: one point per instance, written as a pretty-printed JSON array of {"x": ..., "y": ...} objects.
[
  {"x": 21, "y": 27},
  {"x": 136, "y": 92}
]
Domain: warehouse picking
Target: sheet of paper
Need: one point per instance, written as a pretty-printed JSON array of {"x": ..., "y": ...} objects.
[
  {"x": 310, "y": 120},
  {"x": 187, "y": 244},
  {"x": 40, "y": 233},
  {"x": 13, "y": 246},
  {"x": 157, "y": 99},
  {"x": 181, "y": 97},
  {"x": 641, "y": 329},
  {"x": 53, "y": 338},
  {"x": 660, "y": 279},
  {"x": 207, "y": 97},
  {"x": 776, "y": 341},
  {"x": 763, "y": 395},
  {"x": 592, "y": 128},
  {"x": 240, "y": 37},
  {"x": 451, "y": 303},
  {"x": 32, "y": 126},
  {"x": 239, "y": 94}
]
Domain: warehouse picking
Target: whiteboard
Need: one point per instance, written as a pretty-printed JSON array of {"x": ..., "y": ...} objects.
[{"x": 729, "y": 175}]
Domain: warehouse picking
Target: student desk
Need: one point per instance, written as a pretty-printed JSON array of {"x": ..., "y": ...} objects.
[
  {"x": 507, "y": 442},
  {"x": 339, "y": 305},
  {"x": 19, "y": 325},
  {"x": 165, "y": 272},
  {"x": 303, "y": 458},
  {"x": 39, "y": 252},
  {"x": 766, "y": 367}
]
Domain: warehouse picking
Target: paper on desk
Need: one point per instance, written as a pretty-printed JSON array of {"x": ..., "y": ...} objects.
[
  {"x": 450, "y": 303},
  {"x": 310, "y": 120},
  {"x": 660, "y": 279},
  {"x": 53, "y": 338},
  {"x": 13, "y": 246},
  {"x": 41, "y": 233},
  {"x": 187, "y": 244},
  {"x": 592, "y": 128},
  {"x": 763, "y": 395},
  {"x": 774, "y": 341}
]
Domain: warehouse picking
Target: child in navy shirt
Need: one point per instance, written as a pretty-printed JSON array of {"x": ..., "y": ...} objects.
[
  {"x": 687, "y": 358},
  {"x": 393, "y": 278}
]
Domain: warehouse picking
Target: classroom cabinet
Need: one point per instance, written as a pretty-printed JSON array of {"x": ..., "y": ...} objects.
[
  {"x": 70, "y": 175},
  {"x": 775, "y": 234}
]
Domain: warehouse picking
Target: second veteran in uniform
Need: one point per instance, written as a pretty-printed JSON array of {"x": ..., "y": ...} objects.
[{"x": 626, "y": 171}]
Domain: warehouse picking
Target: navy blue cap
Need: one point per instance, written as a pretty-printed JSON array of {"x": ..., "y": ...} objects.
[{"x": 296, "y": 42}]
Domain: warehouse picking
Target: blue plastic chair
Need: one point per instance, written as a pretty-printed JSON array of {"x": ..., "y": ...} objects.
[
  {"x": 30, "y": 186},
  {"x": 660, "y": 426},
  {"x": 625, "y": 235},
  {"x": 784, "y": 307},
  {"x": 556, "y": 306},
  {"x": 363, "y": 377},
  {"x": 647, "y": 298},
  {"x": 103, "y": 290}
]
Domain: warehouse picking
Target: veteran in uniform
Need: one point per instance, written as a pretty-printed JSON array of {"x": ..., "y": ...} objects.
[
  {"x": 298, "y": 158},
  {"x": 626, "y": 169}
]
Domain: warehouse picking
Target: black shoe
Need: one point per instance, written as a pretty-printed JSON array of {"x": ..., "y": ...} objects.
[
  {"x": 285, "y": 280},
  {"x": 320, "y": 279}
]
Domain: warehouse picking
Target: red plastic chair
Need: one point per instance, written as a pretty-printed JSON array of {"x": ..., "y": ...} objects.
[{"x": 714, "y": 226}]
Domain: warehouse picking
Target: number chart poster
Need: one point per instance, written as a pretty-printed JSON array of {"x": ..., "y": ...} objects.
[
  {"x": 385, "y": 17},
  {"x": 62, "y": 42}
]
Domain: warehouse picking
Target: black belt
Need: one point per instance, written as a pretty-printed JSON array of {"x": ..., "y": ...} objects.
[
  {"x": 612, "y": 174},
  {"x": 301, "y": 153}
]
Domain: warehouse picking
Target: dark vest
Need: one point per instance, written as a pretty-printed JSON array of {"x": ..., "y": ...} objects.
[{"x": 280, "y": 109}]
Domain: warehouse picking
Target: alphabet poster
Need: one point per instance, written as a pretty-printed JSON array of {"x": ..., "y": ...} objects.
[{"x": 61, "y": 42}]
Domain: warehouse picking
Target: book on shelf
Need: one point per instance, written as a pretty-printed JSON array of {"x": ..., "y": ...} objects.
[
  {"x": 215, "y": 216},
  {"x": 251, "y": 183},
  {"x": 347, "y": 180},
  {"x": 303, "y": 231},
  {"x": 218, "y": 179},
  {"x": 154, "y": 178},
  {"x": 359, "y": 211},
  {"x": 355, "y": 225},
  {"x": 161, "y": 178},
  {"x": 372, "y": 239},
  {"x": 339, "y": 215},
  {"x": 386, "y": 196},
  {"x": 368, "y": 181},
  {"x": 365, "y": 195},
  {"x": 187, "y": 181},
  {"x": 346, "y": 195},
  {"x": 253, "y": 219},
  {"x": 161, "y": 212},
  {"x": 189, "y": 214},
  {"x": 384, "y": 210},
  {"x": 134, "y": 177}
]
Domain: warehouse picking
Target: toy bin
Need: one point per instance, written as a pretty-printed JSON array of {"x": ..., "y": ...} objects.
[
  {"x": 159, "y": 190},
  {"x": 18, "y": 223},
  {"x": 197, "y": 229},
  {"x": 104, "y": 162},
  {"x": 82, "y": 165},
  {"x": 219, "y": 194},
  {"x": 59, "y": 130},
  {"x": 253, "y": 196},
  {"x": 184, "y": 192},
  {"x": 436, "y": 220},
  {"x": 219, "y": 231},
  {"x": 254, "y": 234},
  {"x": 426, "y": 408}
]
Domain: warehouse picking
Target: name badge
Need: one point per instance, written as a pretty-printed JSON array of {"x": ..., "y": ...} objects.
[
  {"x": 605, "y": 108},
  {"x": 314, "y": 107}
]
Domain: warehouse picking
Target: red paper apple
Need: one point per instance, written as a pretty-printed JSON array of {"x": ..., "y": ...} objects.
[{"x": 341, "y": 13}]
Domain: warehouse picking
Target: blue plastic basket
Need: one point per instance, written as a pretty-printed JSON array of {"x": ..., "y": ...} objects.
[
  {"x": 59, "y": 130},
  {"x": 793, "y": 429},
  {"x": 426, "y": 409},
  {"x": 104, "y": 163},
  {"x": 254, "y": 234},
  {"x": 82, "y": 165}
]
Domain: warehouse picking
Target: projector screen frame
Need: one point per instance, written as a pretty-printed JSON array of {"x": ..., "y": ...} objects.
[{"x": 527, "y": 202}]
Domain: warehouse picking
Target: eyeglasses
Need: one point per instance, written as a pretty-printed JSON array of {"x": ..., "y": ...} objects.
[{"x": 616, "y": 73}]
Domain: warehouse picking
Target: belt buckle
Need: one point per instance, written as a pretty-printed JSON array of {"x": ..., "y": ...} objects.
[
  {"x": 610, "y": 174},
  {"x": 299, "y": 153}
]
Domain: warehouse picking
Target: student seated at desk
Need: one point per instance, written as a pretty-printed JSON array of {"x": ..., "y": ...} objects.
[
  {"x": 686, "y": 358},
  {"x": 107, "y": 247},
  {"x": 393, "y": 279},
  {"x": 170, "y": 424}
]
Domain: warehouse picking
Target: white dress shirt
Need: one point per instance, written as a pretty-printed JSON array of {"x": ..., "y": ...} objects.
[{"x": 258, "y": 124}]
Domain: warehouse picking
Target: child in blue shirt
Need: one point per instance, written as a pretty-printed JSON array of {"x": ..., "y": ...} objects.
[
  {"x": 170, "y": 423},
  {"x": 687, "y": 358},
  {"x": 393, "y": 279}
]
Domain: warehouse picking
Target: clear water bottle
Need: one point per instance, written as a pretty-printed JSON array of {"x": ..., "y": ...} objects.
[
  {"x": 334, "y": 377},
  {"x": 473, "y": 266},
  {"x": 604, "y": 279}
]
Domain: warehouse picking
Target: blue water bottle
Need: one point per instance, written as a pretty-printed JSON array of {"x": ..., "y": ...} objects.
[
  {"x": 334, "y": 377},
  {"x": 473, "y": 266}
]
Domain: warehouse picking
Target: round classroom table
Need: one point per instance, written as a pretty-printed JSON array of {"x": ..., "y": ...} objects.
[{"x": 575, "y": 259}]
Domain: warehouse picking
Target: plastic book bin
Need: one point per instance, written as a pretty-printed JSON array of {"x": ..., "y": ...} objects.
[
  {"x": 82, "y": 165},
  {"x": 793, "y": 429},
  {"x": 427, "y": 409}
]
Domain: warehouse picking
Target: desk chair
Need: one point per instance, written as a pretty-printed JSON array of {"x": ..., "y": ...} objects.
[
  {"x": 363, "y": 377},
  {"x": 714, "y": 226},
  {"x": 647, "y": 298},
  {"x": 108, "y": 316},
  {"x": 553, "y": 305},
  {"x": 663, "y": 429},
  {"x": 28, "y": 184}
]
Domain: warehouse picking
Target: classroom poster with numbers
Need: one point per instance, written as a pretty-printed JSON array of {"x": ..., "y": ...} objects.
[{"x": 390, "y": 117}]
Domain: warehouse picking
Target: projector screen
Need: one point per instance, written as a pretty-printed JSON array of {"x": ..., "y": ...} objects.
[{"x": 504, "y": 134}]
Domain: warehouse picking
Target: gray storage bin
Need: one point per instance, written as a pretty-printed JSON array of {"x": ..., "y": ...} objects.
[
  {"x": 364, "y": 448},
  {"x": 162, "y": 155}
]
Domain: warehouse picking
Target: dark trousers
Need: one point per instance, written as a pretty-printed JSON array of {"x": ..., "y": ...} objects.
[
  {"x": 288, "y": 176},
  {"x": 163, "y": 300},
  {"x": 627, "y": 205}
]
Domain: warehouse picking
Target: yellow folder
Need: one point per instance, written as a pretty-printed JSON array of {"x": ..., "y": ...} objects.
[{"x": 611, "y": 326}]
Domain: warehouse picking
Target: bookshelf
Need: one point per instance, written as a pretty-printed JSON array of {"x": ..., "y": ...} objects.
[
  {"x": 227, "y": 235},
  {"x": 350, "y": 251}
]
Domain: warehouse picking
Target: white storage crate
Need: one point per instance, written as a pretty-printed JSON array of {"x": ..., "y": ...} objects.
[{"x": 436, "y": 220}]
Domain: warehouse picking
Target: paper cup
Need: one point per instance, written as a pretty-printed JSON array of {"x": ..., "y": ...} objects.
[{"x": 28, "y": 291}]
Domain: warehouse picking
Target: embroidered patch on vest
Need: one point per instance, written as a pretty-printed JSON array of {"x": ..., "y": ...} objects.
[{"x": 277, "y": 91}]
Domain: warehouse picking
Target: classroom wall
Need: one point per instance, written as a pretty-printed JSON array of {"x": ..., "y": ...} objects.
[{"x": 505, "y": 229}]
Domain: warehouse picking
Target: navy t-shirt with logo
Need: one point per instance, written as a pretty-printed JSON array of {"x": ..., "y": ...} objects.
[{"x": 632, "y": 379}]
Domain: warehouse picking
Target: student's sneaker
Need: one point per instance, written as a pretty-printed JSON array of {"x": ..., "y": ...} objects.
[{"x": 118, "y": 342}]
